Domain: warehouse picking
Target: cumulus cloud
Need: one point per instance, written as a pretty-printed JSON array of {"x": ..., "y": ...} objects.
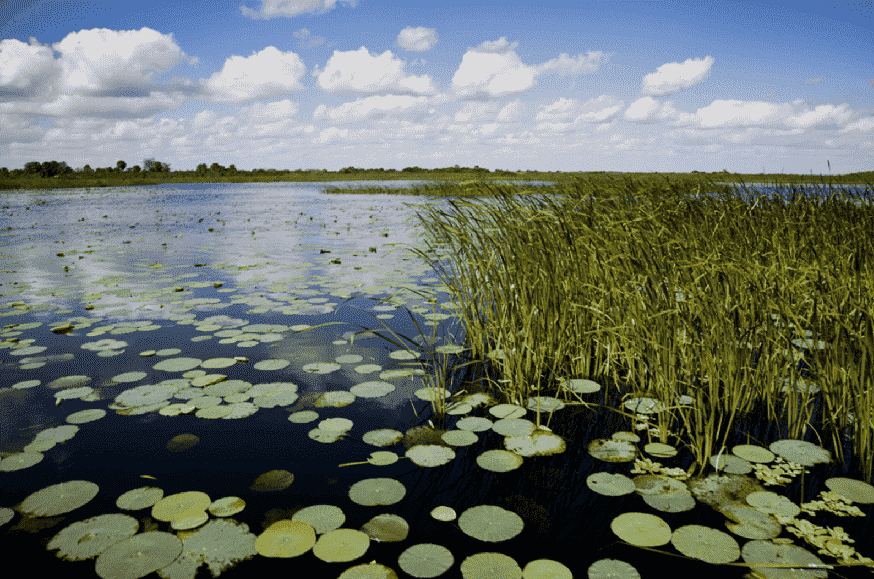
[
  {"x": 643, "y": 110},
  {"x": 493, "y": 70},
  {"x": 600, "y": 109},
  {"x": 94, "y": 69},
  {"x": 595, "y": 110},
  {"x": 289, "y": 8},
  {"x": 103, "y": 62},
  {"x": 357, "y": 71},
  {"x": 417, "y": 39},
  {"x": 561, "y": 110},
  {"x": 266, "y": 74},
  {"x": 477, "y": 112},
  {"x": 25, "y": 70},
  {"x": 488, "y": 75},
  {"x": 734, "y": 114},
  {"x": 647, "y": 110},
  {"x": 274, "y": 119},
  {"x": 673, "y": 77},
  {"x": 566, "y": 65},
  {"x": 795, "y": 115},
  {"x": 497, "y": 46},
  {"x": 377, "y": 107},
  {"x": 511, "y": 112},
  {"x": 331, "y": 134},
  {"x": 269, "y": 112}
]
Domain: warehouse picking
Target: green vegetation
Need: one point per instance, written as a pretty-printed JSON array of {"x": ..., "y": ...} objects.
[
  {"x": 567, "y": 301},
  {"x": 54, "y": 175}
]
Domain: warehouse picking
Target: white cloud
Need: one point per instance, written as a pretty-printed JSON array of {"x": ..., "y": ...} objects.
[
  {"x": 203, "y": 120},
  {"x": 491, "y": 75},
  {"x": 511, "y": 112},
  {"x": 493, "y": 70},
  {"x": 561, "y": 110},
  {"x": 565, "y": 65},
  {"x": 108, "y": 107},
  {"x": 98, "y": 72},
  {"x": 864, "y": 125},
  {"x": 600, "y": 109},
  {"x": 376, "y": 107},
  {"x": 732, "y": 113},
  {"x": 356, "y": 71},
  {"x": 595, "y": 110},
  {"x": 266, "y": 74},
  {"x": 643, "y": 109},
  {"x": 103, "y": 62},
  {"x": 25, "y": 70},
  {"x": 289, "y": 8},
  {"x": 673, "y": 77},
  {"x": 497, "y": 46},
  {"x": 269, "y": 112},
  {"x": 476, "y": 112},
  {"x": 417, "y": 39},
  {"x": 331, "y": 134}
]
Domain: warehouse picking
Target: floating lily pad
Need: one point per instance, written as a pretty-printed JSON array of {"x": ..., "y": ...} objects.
[
  {"x": 274, "y": 480},
  {"x": 490, "y": 523},
  {"x": 286, "y": 539},
  {"x": 341, "y": 545},
  {"x": 87, "y": 539},
  {"x": 59, "y": 498},
  {"x": 377, "y": 491},
  {"x": 426, "y": 560},
  {"x": 139, "y": 555}
]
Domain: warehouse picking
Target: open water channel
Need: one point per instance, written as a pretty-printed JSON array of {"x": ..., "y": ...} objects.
[{"x": 230, "y": 282}]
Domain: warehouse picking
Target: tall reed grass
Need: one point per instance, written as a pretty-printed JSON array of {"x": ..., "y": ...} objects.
[{"x": 606, "y": 277}]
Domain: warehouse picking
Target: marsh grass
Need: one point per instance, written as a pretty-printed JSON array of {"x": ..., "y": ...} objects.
[
  {"x": 436, "y": 383},
  {"x": 602, "y": 278}
]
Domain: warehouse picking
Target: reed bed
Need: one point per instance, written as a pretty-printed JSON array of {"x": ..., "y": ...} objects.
[{"x": 603, "y": 278}]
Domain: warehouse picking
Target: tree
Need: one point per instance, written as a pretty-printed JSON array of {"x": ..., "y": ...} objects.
[
  {"x": 33, "y": 168},
  {"x": 120, "y": 166},
  {"x": 201, "y": 169},
  {"x": 4, "y": 172},
  {"x": 87, "y": 169},
  {"x": 149, "y": 165},
  {"x": 216, "y": 168},
  {"x": 232, "y": 169},
  {"x": 135, "y": 169}
]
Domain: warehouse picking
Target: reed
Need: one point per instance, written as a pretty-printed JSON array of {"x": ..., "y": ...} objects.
[{"x": 613, "y": 278}]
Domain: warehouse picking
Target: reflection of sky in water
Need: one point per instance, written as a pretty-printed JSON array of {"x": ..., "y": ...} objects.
[
  {"x": 128, "y": 253},
  {"x": 266, "y": 238}
]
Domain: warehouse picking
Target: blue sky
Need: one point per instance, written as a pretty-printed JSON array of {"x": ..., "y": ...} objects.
[{"x": 548, "y": 85}]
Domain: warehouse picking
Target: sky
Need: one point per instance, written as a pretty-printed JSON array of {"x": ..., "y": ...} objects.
[{"x": 646, "y": 85}]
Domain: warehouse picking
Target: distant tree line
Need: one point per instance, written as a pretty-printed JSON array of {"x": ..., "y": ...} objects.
[{"x": 50, "y": 169}]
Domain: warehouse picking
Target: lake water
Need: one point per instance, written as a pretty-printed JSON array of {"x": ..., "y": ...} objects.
[{"x": 152, "y": 264}]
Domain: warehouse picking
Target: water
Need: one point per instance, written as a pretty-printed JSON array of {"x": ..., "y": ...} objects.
[{"x": 272, "y": 244}]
